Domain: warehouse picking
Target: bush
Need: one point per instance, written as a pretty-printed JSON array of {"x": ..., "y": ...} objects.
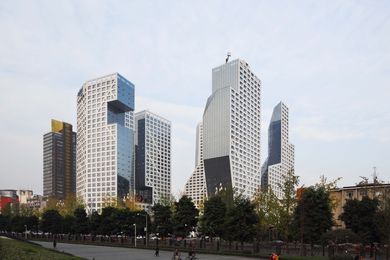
[{"x": 340, "y": 236}]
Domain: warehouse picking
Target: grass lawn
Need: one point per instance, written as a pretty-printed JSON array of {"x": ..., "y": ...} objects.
[{"x": 13, "y": 249}]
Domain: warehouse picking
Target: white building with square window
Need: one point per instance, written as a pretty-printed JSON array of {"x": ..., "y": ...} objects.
[
  {"x": 195, "y": 187},
  {"x": 105, "y": 147},
  {"x": 280, "y": 151},
  {"x": 153, "y": 158},
  {"x": 231, "y": 130}
]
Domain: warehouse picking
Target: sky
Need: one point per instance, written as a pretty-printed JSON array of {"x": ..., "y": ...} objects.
[{"x": 328, "y": 61}]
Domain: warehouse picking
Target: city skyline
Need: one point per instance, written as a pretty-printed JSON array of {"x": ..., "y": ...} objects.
[{"x": 330, "y": 65}]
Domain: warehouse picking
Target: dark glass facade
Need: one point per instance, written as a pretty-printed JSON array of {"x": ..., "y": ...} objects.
[
  {"x": 143, "y": 193},
  {"x": 59, "y": 161},
  {"x": 217, "y": 174}
]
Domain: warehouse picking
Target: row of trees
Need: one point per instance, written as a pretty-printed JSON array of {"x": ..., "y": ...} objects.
[{"x": 305, "y": 218}]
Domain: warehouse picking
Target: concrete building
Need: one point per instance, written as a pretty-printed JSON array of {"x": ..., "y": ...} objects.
[
  {"x": 153, "y": 158},
  {"x": 231, "y": 130},
  {"x": 105, "y": 147},
  {"x": 9, "y": 201},
  {"x": 340, "y": 196},
  {"x": 24, "y": 195},
  {"x": 59, "y": 161},
  {"x": 280, "y": 159},
  {"x": 195, "y": 187}
]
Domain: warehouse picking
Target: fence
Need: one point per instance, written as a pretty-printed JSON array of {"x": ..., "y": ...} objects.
[{"x": 255, "y": 248}]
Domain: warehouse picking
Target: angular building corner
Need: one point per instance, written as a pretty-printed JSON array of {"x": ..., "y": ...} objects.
[
  {"x": 280, "y": 151},
  {"x": 195, "y": 187}
]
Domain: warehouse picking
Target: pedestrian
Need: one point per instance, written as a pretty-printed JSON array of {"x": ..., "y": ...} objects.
[
  {"x": 176, "y": 255},
  {"x": 157, "y": 253},
  {"x": 54, "y": 243}
]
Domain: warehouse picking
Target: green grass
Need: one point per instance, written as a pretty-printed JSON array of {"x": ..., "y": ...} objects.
[{"x": 13, "y": 249}]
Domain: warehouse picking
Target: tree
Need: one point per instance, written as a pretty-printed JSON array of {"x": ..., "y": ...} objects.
[
  {"x": 267, "y": 208},
  {"x": 212, "y": 221},
  {"x": 94, "y": 223},
  {"x": 312, "y": 216},
  {"x": 240, "y": 222},
  {"x": 68, "y": 224},
  {"x": 383, "y": 221},
  {"x": 359, "y": 216},
  {"x": 184, "y": 216},
  {"x": 51, "y": 222},
  {"x": 80, "y": 224},
  {"x": 69, "y": 205},
  {"x": 5, "y": 223},
  {"x": 108, "y": 221},
  {"x": 287, "y": 204},
  {"x": 162, "y": 223}
]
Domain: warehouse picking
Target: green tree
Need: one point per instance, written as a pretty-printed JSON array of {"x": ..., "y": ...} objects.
[
  {"x": 312, "y": 216},
  {"x": 212, "y": 221},
  {"x": 108, "y": 225},
  {"x": 5, "y": 223},
  {"x": 51, "y": 222},
  {"x": 359, "y": 216},
  {"x": 94, "y": 223},
  {"x": 383, "y": 221},
  {"x": 67, "y": 224},
  {"x": 162, "y": 223},
  {"x": 267, "y": 208},
  {"x": 80, "y": 224},
  {"x": 240, "y": 222},
  {"x": 287, "y": 204},
  {"x": 184, "y": 216}
]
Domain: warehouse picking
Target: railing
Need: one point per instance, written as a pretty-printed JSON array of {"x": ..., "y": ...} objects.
[{"x": 213, "y": 246}]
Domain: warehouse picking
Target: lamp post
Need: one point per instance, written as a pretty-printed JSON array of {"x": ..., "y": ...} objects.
[
  {"x": 135, "y": 234},
  {"x": 146, "y": 227}
]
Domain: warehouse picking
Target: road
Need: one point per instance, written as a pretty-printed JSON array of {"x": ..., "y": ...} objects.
[{"x": 121, "y": 253}]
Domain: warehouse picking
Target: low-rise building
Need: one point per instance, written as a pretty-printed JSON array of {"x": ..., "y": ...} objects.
[{"x": 340, "y": 196}]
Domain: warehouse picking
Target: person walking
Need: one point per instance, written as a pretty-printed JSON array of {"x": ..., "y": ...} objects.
[
  {"x": 176, "y": 255},
  {"x": 54, "y": 243},
  {"x": 157, "y": 252}
]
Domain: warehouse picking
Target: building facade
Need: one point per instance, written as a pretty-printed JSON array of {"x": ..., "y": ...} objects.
[
  {"x": 280, "y": 159},
  {"x": 9, "y": 201},
  {"x": 105, "y": 147},
  {"x": 340, "y": 196},
  {"x": 24, "y": 195},
  {"x": 195, "y": 187},
  {"x": 152, "y": 181},
  {"x": 231, "y": 130},
  {"x": 59, "y": 161}
]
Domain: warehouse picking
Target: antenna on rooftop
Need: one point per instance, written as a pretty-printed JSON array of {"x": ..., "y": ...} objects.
[
  {"x": 228, "y": 56},
  {"x": 374, "y": 175}
]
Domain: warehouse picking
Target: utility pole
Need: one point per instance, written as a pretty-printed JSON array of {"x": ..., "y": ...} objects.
[{"x": 135, "y": 234}]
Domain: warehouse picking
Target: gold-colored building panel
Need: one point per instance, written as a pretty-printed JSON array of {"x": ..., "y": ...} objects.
[{"x": 56, "y": 126}]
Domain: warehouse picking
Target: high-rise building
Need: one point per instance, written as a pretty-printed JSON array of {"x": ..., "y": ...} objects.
[
  {"x": 153, "y": 157},
  {"x": 105, "y": 147},
  {"x": 231, "y": 130},
  {"x": 59, "y": 161},
  {"x": 195, "y": 187},
  {"x": 280, "y": 152}
]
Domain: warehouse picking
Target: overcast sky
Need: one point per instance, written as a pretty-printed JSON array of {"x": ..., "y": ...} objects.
[{"x": 329, "y": 61}]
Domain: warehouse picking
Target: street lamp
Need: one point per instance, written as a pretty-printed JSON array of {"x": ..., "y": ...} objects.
[
  {"x": 146, "y": 226},
  {"x": 135, "y": 234}
]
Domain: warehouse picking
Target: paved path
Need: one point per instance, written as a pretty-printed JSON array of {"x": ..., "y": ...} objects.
[{"x": 121, "y": 253}]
